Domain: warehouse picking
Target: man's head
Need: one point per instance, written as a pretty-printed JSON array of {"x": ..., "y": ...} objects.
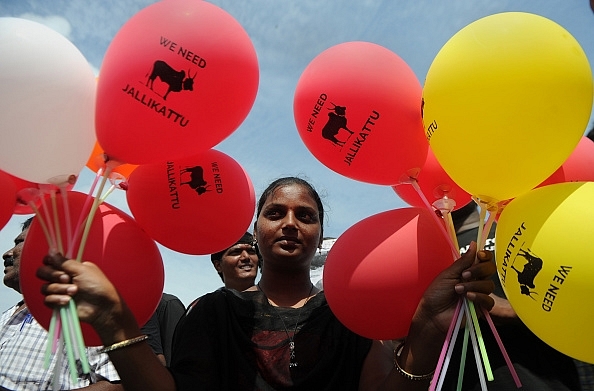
[
  {"x": 238, "y": 264},
  {"x": 12, "y": 259}
]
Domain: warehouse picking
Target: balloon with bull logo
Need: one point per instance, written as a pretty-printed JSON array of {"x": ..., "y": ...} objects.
[
  {"x": 545, "y": 261},
  {"x": 357, "y": 107},
  {"x": 515, "y": 85},
  {"x": 197, "y": 205},
  {"x": 178, "y": 78}
]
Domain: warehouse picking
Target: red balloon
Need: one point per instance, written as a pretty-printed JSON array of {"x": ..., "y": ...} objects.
[
  {"x": 178, "y": 78},
  {"x": 435, "y": 184},
  {"x": 25, "y": 191},
  {"x": 8, "y": 198},
  {"x": 197, "y": 205},
  {"x": 579, "y": 166},
  {"x": 377, "y": 271},
  {"x": 116, "y": 243},
  {"x": 357, "y": 108},
  {"x": 28, "y": 192}
]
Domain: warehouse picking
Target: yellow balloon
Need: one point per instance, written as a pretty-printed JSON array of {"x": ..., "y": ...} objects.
[
  {"x": 505, "y": 102},
  {"x": 545, "y": 261}
]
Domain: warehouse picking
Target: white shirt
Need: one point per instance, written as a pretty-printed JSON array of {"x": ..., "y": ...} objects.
[{"x": 22, "y": 354}]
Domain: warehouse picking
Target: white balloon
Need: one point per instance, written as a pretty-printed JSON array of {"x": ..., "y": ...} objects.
[{"x": 47, "y": 103}]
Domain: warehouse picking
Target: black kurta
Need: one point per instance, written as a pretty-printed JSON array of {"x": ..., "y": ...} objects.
[{"x": 236, "y": 341}]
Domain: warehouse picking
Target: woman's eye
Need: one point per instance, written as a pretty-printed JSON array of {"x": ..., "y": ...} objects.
[
  {"x": 307, "y": 217},
  {"x": 272, "y": 214}
]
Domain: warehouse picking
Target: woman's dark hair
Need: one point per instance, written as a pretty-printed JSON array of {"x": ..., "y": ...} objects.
[{"x": 288, "y": 181}]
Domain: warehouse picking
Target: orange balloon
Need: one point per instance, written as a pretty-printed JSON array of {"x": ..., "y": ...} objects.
[{"x": 97, "y": 161}]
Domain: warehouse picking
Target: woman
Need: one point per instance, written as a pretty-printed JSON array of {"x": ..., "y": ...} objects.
[{"x": 279, "y": 334}]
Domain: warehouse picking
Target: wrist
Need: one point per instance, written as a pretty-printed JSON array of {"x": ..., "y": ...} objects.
[
  {"x": 407, "y": 375},
  {"x": 427, "y": 324},
  {"x": 116, "y": 325}
]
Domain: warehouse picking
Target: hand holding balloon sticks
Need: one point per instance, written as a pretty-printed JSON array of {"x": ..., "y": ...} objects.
[
  {"x": 497, "y": 61},
  {"x": 64, "y": 326},
  {"x": 464, "y": 306},
  {"x": 81, "y": 226}
]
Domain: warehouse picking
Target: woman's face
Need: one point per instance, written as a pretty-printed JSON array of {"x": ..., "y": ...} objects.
[{"x": 288, "y": 225}]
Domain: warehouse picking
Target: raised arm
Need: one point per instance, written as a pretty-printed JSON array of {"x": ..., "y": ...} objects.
[
  {"x": 99, "y": 304},
  {"x": 420, "y": 352}
]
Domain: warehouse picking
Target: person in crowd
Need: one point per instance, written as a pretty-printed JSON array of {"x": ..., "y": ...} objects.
[
  {"x": 280, "y": 333},
  {"x": 539, "y": 366},
  {"x": 23, "y": 343},
  {"x": 237, "y": 265},
  {"x": 161, "y": 326}
]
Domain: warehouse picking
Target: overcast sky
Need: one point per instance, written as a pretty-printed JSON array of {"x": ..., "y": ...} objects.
[{"x": 287, "y": 35}]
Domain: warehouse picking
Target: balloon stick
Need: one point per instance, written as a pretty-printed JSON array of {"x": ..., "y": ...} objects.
[
  {"x": 481, "y": 342},
  {"x": 78, "y": 337},
  {"x": 82, "y": 218},
  {"x": 415, "y": 184},
  {"x": 94, "y": 208},
  {"x": 463, "y": 359},
  {"x": 446, "y": 351},
  {"x": 56, "y": 221},
  {"x": 477, "y": 356},
  {"x": 68, "y": 341},
  {"x": 58, "y": 366},
  {"x": 49, "y": 347},
  {"x": 512, "y": 370}
]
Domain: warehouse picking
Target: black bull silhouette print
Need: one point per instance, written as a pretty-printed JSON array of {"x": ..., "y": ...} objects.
[
  {"x": 175, "y": 80},
  {"x": 196, "y": 180},
  {"x": 531, "y": 268},
  {"x": 336, "y": 120}
]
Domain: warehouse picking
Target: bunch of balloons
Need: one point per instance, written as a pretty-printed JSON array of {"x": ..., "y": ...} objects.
[
  {"x": 178, "y": 78},
  {"x": 503, "y": 110}
]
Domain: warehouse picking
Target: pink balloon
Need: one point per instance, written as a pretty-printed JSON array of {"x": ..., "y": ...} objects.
[
  {"x": 196, "y": 205},
  {"x": 116, "y": 243},
  {"x": 357, "y": 108},
  {"x": 377, "y": 271},
  {"x": 178, "y": 78},
  {"x": 435, "y": 184}
]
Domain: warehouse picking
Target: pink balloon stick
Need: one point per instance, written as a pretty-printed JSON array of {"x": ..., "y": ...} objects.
[
  {"x": 512, "y": 370},
  {"x": 446, "y": 354},
  {"x": 448, "y": 338}
]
